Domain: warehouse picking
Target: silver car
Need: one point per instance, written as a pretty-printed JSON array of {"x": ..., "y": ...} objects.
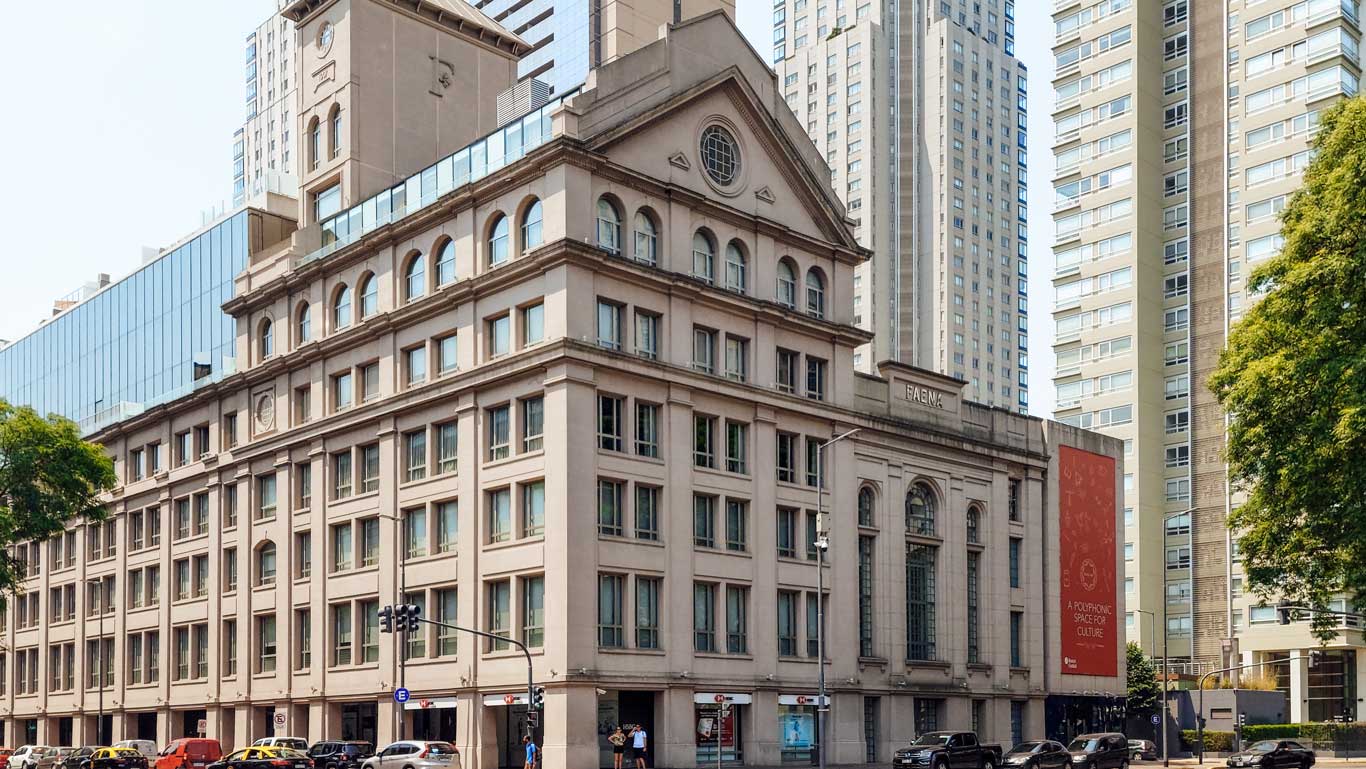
[
  {"x": 415, "y": 754},
  {"x": 34, "y": 757}
]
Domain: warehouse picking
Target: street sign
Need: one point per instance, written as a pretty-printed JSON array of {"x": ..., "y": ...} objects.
[
  {"x": 1156, "y": 719},
  {"x": 203, "y": 727},
  {"x": 279, "y": 719},
  {"x": 401, "y": 695}
]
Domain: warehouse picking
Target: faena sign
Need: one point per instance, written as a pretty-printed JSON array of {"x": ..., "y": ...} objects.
[
  {"x": 924, "y": 396},
  {"x": 1086, "y": 534}
]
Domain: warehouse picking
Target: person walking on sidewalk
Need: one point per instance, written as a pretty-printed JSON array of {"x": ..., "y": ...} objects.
[{"x": 532, "y": 753}]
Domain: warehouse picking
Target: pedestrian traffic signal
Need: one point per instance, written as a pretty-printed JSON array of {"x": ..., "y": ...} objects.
[
  {"x": 538, "y": 698},
  {"x": 386, "y": 619}
]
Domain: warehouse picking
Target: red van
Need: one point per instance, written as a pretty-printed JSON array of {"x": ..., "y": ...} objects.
[{"x": 189, "y": 753}]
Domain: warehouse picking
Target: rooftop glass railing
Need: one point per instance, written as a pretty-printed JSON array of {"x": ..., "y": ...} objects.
[{"x": 474, "y": 162}]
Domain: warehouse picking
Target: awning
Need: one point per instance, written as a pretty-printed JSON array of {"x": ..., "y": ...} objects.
[{"x": 429, "y": 703}]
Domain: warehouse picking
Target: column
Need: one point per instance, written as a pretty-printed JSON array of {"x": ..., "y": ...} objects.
[
  {"x": 1299, "y": 687},
  {"x": 1357, "y": 710}
]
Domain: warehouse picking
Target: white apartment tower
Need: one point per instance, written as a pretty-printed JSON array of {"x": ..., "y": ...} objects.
[
  {"x": 920, "y": 112},
  {"x": 1181, "y": 129},
  {"x": 262, "y": 155}
]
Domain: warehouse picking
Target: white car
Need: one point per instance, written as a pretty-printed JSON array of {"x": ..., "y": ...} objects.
[
  {"x": 33, "y": 757},
  {"x": 295, "y": 743},
  {"x": 415, "y": 754}
]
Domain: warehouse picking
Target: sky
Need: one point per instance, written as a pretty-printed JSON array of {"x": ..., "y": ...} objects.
[{"x": 121, "y": 138}]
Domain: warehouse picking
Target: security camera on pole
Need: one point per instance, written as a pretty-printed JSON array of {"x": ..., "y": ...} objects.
[{"x": 822, "y": 545}]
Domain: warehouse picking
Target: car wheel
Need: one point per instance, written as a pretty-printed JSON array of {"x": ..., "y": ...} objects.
[{"x": 987, "y": 763}]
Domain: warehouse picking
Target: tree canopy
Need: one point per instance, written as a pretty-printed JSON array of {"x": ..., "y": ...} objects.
[
  {"x": 48, "y": 477},
  {"x": 1144, "y": 690},
  {"x": 1293, "y": 382}
]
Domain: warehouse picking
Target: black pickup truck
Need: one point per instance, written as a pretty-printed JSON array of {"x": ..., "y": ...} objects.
[{"x": 949, "y": 750}]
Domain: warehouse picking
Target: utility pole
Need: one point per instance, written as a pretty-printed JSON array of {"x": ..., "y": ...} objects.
[{"x": 822, "y": 544}]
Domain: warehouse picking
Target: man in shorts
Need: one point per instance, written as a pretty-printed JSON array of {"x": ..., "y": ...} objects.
[
  {"x": 532, "y": 753},
  {"x": 638, "y": 741}
]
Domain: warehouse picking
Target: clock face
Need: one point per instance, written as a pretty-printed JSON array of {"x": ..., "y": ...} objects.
[{"x": 325, "y": 36}]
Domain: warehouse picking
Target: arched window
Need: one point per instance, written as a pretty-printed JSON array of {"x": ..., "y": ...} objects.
[
  {"x": 341, "y": 309},
  {"x": 315, "y": 143},
  {"x": 267, "y": 339},
  {"x": 787, "y": 284},
  {"x": 609, "y": 226},
  {"x": 445, "y": 263},
  {"x": 703, "y": 257},
  {"x": 865, "y": 506},
  {"x": 305, "y": 323},
  {"x": 920, "y": 507},
  {"x": 815, "y": 293},
  {"x": 265, "y": 564},
  {"x": 369, "y": 296},
  {"x": 336, "y": 122},
  {"x": 415, "y": 277},
  {"x": 498, "y": 241},
  {"x": 974, "y": 523},
  {"x": 531, "y": 226},
  {"x": 736, "y": 277},
  {"x": 647, "y": 239}
]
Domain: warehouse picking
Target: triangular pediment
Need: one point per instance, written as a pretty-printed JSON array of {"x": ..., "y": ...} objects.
[{"x": 780, "y": 180}]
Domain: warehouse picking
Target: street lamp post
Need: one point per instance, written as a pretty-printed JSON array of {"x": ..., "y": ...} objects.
[
  {"x": 822, "y": 544},
  {"x": 401, "y": 639}
]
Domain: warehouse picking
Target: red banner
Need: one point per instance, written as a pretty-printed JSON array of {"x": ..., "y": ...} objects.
[{"x": 1086, "y": 533}]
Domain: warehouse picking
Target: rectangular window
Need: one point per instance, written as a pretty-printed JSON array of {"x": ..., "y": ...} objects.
[
  {"x": 415, "y": 455},
  {"x": 920, "y": 602},
  {"x": 647, "y": 335},
  {"x": 865, "y": 596},
  {"x": 611, "y": 431},
  {"x": 647, "y": 429},
  {"x": 342, "y": 394},
  {"x": 737, "y": 358},
  {"x": 704, "y": 441},
  {"x": 533, "y": 611},
  {"x": 609, "y": 508},
  {"x": 787, "y": 623},
  {"x": 415, "y": 532},
  {"x": 647, "y": 612},
  {"x": 703, "y": 521},
  {"x": 1015, "y": 543},
  {"x": 448, "y": 354},
  {"x": 1016, "y": 639},
  {"x": 303, "y": 474},
  {"x": 369, "y": 468},
  {"x": 610, "y": 324},
  {"x": 447, "y": 609},
  {"x": 265, "y": 643},
  {"x": 814, "y": 462},
  {"x": 610, "y": 590},
  {"x": 787, "y": 458},
  {"x": 533, "y": 424},
  {"x": 446, "y": 446},
  {"x": 815, "y": 378},
  {"x": 499, "y": 336},
  {"x": 647, "y": 512},
  {"x": 704, "y": 617},
  {"x": 341, "y": 547},
  {"x": 500, "y": 613},
  {"x": 303, "y": 630},
  {"x": 787, "y": 532},
  {"x": 415, "y": 365},
  {"x": 303, "y": 554},
  {"x": 369, "y": 541},
  {"x": 447, "y": 526},
  {"x": 737, "y": 447},
  {"x": 341, "y": 475},
  {"x": 737, "y": 524},
  {"x": 499, "y": 418},
  {"x": 533, "y": 324},
  {"x": 341, "y": 634},
  {"x": 737, "y": 620},
  {"x": 786, "y": 376},
  {"x": 500, "y": 515},
  {"x": 704, "y": 350},
  {"x": 369, "y": 639},
  {"x": 533, "y": 509}
]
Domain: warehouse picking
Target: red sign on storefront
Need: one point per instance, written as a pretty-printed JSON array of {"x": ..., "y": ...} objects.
[{"x": 1086, "y": 534}]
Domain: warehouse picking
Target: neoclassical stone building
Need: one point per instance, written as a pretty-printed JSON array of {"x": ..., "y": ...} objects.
[{"x": 569, "y": 382}]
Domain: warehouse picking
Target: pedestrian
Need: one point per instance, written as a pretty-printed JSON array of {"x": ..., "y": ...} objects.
[
  {"x": 638, "y": 738},
  {"x": 618, "y": 740},
  {"x": 532, "y": 753}
]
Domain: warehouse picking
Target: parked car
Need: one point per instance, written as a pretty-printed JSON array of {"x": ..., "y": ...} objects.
[
  {"x": 147, "y": 748},
  {"x": 189, "y": 753},
  {"x": 1103, "y": 750},
  {"x": 79, "y": 758},
  {"x": 336, "y": 754},
  {"x": 5, "y": 753},
  {"x": 117, "y": 758},
  {"x": 263, "y": 757},
  {"x": 948, "y": 750},
  {"x": 1274, "y": 754},
  {"x": 1143, "y": 750},
  {"x": 1038, "y": 754},
  {"x": 293, "y": 743},
  {"x": 33, "y": 757},
  {"x": 415, "y": 754}
]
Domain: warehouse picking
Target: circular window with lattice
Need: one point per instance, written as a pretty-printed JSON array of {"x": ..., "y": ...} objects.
[{"x": 720, "y": 155}]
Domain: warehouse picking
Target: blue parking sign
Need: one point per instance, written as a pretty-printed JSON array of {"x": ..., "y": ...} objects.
[
  {"x": 401, "y": 695},
  {"x": 1156, "y": 719}
]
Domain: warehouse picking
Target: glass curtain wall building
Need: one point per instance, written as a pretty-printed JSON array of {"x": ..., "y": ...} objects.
[{"x": 135, "y": 343}]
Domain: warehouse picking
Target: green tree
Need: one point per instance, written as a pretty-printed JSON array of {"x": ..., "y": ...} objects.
[
  {"x": 1293, "y": 382},
  {"x": 48, "y": 477},
  {"x": 1144, "y": 690}
]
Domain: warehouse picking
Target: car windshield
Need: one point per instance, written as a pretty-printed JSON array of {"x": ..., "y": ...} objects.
[
  {"x": 1026, "y": 747},
  {"x": 1083, "y": 746},
  {"x": 1265, "y": 746},
  {"x": 933, "y": 738}
]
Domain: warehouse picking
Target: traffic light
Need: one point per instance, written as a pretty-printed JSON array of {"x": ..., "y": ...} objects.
[
  {"x": 538, "y": 698},
  {"x": 1242, "y": 720},
  {"x": 386, "y": 619},
  {"x": 1315, "y": 657},
  {"x": 414, "y": 617},
  {"x": 1285, "y": 613},
  {"x": 401, "y": 618}
]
